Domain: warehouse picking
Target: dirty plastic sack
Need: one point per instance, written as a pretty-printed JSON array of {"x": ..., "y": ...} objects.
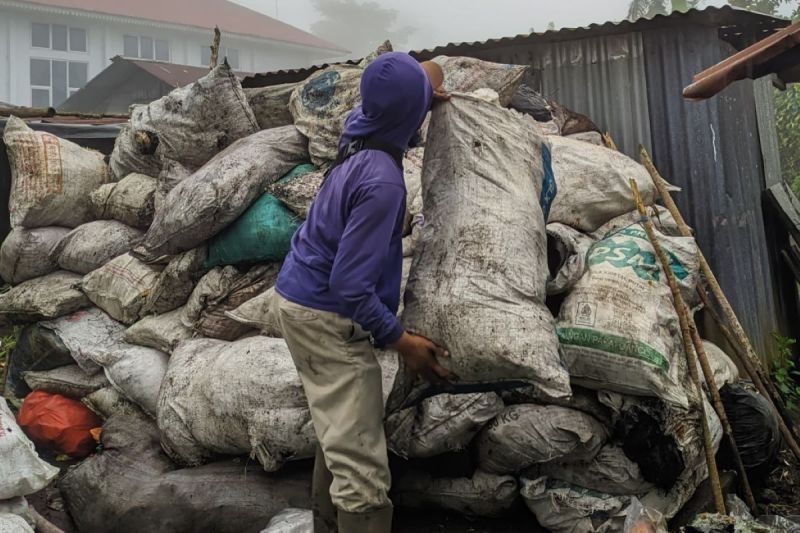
[
  {"x": 25, "y": 254},
  {"x": 130, "y": 201},
  {"x": 660, "y": 217},
  {"x": 92, "y": 245},
  {"x": 443, "y": 423},
  {"x": 527, "y": 100},
  {"x": 584, "y": 400},
  {"x": 263, "y": 233},
  {"x": 618, "y": 328},
  {"x": 563, "y": 508},
  {"x": 234, "y": 398},
  {"x": 131, "y": 486},
  {"x": 594, "y": 184},
  {"x": 201, "y": 206},
  {"x": 121, "y": 287},
  {"x": 171, "y": 174},
  {"x": 478, "y": 269},
  {"x": 291, "y": 521},
  {"x": 16, "y": 506},
  {"x": 468, "y": 74},
  {"x": 483, "y": 494},
  {"x": 524, "y": 435},
  {"x": 320, "y": 105},
  {"x": 176, "y": 282},
  {"x": 37, "y": 348},
  {"x": 610, "y": 471},
  {"x": 298, "y": 189},
  {"x": 106, "y": 402},
  {"x": 639, "y": 518},
  {"x": 162, "y": 332},
  {"x": 189, "y": 125},
  {"x": 270, "y": 105},
  {"x": 12, "y": 523},
  {"x": 755, "y": 430},
  {"x": 84, "y": 335},
  {"x": 570, "y": 247},
  {"x": 223, "y": 290},
  {"x": 58, "y": 424},
  {"x": 70, "y": 381},
  {"x": 43, "y": 298},
  {"x": 21, "y": 470},
  {"x": 412, "y": 176},
  {"x": 722, "y": 367},
  {"x": 51, "y": 178}
]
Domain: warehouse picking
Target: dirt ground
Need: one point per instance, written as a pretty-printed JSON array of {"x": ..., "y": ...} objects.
[{"x": 781, "y": 495}]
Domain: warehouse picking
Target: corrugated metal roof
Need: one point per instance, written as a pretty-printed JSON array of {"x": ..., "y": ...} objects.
[
  {"x": 774, "y": 54},
  {"x": 711, "y": 150},
  {"x": 731, "y": 22},
  {"x": 173, "y": 74}
]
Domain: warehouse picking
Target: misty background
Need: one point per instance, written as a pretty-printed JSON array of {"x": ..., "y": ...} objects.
[{"x": 360, "y": 25}]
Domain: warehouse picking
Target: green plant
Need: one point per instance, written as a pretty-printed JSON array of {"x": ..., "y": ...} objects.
[{"x": 785, "y": 372}]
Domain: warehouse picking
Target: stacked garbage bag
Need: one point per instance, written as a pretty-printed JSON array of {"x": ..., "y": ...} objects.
[{"x": 144, "y": 285}]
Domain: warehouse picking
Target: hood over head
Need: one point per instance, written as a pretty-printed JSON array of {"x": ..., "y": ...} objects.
[{"x": 395, "y": 97}]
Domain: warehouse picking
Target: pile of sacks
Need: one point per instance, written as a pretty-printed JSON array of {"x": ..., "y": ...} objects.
[{"x": 144, "y": 287}]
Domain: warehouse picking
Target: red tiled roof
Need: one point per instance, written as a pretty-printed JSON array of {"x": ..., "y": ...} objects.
[{"x": 206, "y": 14}]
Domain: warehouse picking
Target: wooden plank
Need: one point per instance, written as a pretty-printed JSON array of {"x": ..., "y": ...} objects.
[{"x": 787, "y": 207}]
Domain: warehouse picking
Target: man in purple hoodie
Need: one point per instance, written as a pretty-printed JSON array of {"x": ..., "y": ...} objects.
[{"x": 340, "y": 285}]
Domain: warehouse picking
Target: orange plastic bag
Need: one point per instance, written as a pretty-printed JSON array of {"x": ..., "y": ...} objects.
[{"x": 58, "y": 424}]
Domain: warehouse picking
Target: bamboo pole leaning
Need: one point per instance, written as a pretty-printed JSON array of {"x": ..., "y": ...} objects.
[
  {"x": 683, "y": 313},
  {"x": 735, "y": 334}
]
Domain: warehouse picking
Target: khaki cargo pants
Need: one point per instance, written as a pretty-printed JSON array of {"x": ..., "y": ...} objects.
[{"x": 342, "y": 381}]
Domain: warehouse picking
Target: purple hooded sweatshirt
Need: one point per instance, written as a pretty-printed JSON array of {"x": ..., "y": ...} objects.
[{"x": 347, "y": 257}]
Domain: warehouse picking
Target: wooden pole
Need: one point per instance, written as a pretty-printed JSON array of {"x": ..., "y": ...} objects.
[
  {"x": 753, "y": 365},
  {"x": 609, "y": 142},
  {"x": 716, "y": 401},
  {"x": 215, "y": 48},
  {"x": 683, "y": 314}
]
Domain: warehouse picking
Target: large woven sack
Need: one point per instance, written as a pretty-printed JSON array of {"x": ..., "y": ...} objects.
[
  {"x": 43, "y": 298},
  {"x": 263, "y": 233},
  {"x": 121, "y": 287},
  {"x": 610, "y": 471},
  {"x": 25, "y": 254},
  {"x": 176, "y": 281},
  {"x": 51, "y": 178},
  {"x": 477, "y": 283},
  {"x": 130, "y": 201},
  {"x": 162, "y": 332},
  {"x": 660, "y": 217},
  {"x": 223, "y": 290},
  {"x": 270, "y": 105},
  {"x": 618, "y": 327},
  {"x": 189, "y": 125},
  {"x": 92, "y": 245},
  {"x": 321, "y": 104},
  {"x": 13, "y": 523},
  {"x": 21, "y": 470},
  {"x": 204, "y": 204},
  {"x": 37, "y": 348},
  {"x": 441, "y": 424},
  {"x": 298, "y": 189},
  {"x": 84, "y": 334},
  {"x": 483, "y": 494},
  {"x": 570, "y": 247},
  {"x": 524, "y": 435},
  {"x": 412, "y": 175},
  {"x": 468, "y": 74},
  {"x": 291, "y": 520},
  {"x": 594, "y": 184},
  {"x": 234, "y": 398},
  {"x": 70, "y": 381},
  {"x": 131, "y": 486}
]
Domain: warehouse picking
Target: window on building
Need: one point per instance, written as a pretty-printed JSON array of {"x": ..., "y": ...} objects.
[
  {"x": 53, "y": 81},
  {"x": 58, "y": 37},
  {"x": 231, "y": 53},
  {"x": 145, "y": 47}
]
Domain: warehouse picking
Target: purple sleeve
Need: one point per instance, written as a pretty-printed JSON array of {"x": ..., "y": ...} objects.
[{"x": 361, "y": 256}]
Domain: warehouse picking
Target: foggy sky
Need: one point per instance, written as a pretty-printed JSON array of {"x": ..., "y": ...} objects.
[{"x": 441, "y": 21}]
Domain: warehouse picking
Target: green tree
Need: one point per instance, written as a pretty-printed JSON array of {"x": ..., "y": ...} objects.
[
  {"x": 358, "y": 26},
  {"x": 651, "y": 8}
]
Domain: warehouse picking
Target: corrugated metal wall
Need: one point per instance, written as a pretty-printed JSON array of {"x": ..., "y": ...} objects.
[
  {"x": 711, "y": 149},
  {"x": 601, "y": 77}
]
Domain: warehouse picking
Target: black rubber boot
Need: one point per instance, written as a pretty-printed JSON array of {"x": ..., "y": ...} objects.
[
  {"x": 321, "y": 505},
  {"x": 378, "y": 521}
]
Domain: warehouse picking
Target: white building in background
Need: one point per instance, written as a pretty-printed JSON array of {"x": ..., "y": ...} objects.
[{"x": 51, "y": 48}]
